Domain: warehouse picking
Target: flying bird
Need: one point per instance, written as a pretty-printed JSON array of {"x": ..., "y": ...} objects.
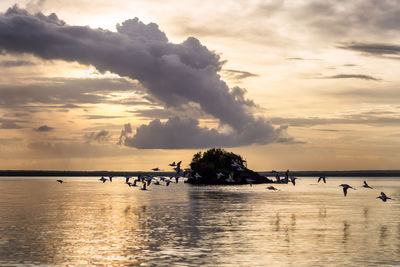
[
  {"x": 293, "y": 180},
  {"x": 103, "y": 179},
  {"x": 365, "y": 185},
  {"x": 323, "y": 178},
  {"x": 384, "y": 197},
  {"x": 173, "y": 164},
  {"x": 110, "y": 178},
  {"x": 155, "y": 169},
  {"x": 345, "y": 187},
  {"x": 219, "y": 175},
  {"x": 272, "y": 188},
  {"x": 60, "y": 181}
]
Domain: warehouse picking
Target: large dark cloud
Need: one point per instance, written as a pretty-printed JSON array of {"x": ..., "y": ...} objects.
[
  {"x": 190, "y": 135},
  {"x": 174, "y": 74}
]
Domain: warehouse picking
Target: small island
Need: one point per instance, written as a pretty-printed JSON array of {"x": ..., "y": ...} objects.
[{"x": 218, "y": 167}]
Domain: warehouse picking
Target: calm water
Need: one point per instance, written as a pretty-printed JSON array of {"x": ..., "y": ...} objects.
[{"x": 84, "y": 222}]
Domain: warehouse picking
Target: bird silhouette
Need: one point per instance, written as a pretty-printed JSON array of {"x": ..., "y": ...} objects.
[
  {"x": 345, "y": 187},
  {"x": 384, "y": 197},
  {"x": 293, "y": 180},
  {"x": 144, "y": 186},
  {"x": 365, "y": 185},
  {"x": 60, "y": 181},
  {"x": 272, "y": 188},
  {"x": 323, "y": 178}
]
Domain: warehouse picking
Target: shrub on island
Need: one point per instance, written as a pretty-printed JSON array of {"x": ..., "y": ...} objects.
[{"x": 217, "y": 166}]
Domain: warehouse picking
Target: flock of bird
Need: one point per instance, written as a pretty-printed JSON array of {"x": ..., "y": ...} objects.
[
  {"x": 146, "y": 180},
  {"x": 345, "y": 187}
]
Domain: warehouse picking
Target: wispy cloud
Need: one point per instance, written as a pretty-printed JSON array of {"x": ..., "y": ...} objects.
[
  {"x": 374, "y": 49},
  {"x": 352, "y": 76},
  {"x": 44, "y": 128}
]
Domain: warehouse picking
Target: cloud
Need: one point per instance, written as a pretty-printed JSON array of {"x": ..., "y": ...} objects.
[
  {"x": 352, "y": 76},
  {"x": 102, "y": 136},
  {"x": 384, "y": 95},
  {"x": 238, "y": 74},
  {"x": 173, "y": 74},
  {"x": 177, "y": 133},
  {"x": 67, "y": 93},
  {"x": 16, "y": 63},
  {"x": 125, "y": 133},
  {"x": 44, "y": 128},
  {"x": 9, "y": 124},
  {"x": 374, "y": 49},
  {"x": 367, "y": 118}
]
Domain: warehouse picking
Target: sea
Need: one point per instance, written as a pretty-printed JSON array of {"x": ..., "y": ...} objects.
[{"x": 84, "y": 222}]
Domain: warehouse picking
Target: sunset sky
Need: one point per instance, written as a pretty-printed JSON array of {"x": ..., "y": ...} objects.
[{"x": 133, "y": 85}]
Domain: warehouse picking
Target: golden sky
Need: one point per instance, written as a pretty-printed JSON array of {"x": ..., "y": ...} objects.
[{"x": 133, "y": 85}]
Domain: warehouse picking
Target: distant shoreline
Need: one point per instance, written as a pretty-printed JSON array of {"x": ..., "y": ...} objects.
[{"x": 353, "y": 173}]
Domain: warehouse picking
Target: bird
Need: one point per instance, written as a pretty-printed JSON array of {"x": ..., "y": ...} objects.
[
  {"x": 173, "y": 164},
  {"x": 235, "y": 164},
  {"x": 272, "y": 188},
  {"x": 156, "y": 169},
  {"x": 219, "y": 175},
  {"x": 323, "y": 178},
  {"x": 167, "y": 181},
  {"x": 197, "y": 176},
  {"x": 103, "y": 179},
  {"x": 293, "y": 180},
  {"x": 127, "y": 179},
  {"x": 148, "y": 179},
  {"x": 384, "y": 197},
  {"x": 144, "y": 186},
  {"x": 60, "y": 181},
  {"x": 345, "y": 187},
  {"x": 110, "y": 178},
  {"x": 230, "y": 179},
  {"x": 134, "y": 183},
  {"x": 365, "y": 185},
  {"x": 178, "y": 167}
]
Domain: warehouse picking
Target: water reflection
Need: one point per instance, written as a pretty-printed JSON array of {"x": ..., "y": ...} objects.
[{"x": 89, "y": 223}]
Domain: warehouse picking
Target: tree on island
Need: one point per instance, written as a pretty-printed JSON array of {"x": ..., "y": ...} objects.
[{"x": 217, "y": 166}]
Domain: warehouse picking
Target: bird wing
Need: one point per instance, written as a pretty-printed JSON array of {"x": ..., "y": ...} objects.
[
  {"x": 383, "y": 195},
  {"x": 324, "y": 179},
  {"x": 319, "y": 179},
  {"x": 345, "y": 191}
]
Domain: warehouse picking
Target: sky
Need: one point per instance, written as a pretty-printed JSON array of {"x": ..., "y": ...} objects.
[{"x": 134, "y": 85}]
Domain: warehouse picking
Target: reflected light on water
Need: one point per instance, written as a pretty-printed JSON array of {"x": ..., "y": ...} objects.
[{"x": 85, "y": 222}]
